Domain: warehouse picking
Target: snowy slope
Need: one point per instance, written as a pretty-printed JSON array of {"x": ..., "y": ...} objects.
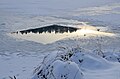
[
  {"x": 20, "y": 57},
  {"x": 63, "y": 65}
]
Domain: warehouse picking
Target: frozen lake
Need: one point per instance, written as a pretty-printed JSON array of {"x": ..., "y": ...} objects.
[
  {"x": 21, "y": 53},
  {"x": 53, "y": 33}
]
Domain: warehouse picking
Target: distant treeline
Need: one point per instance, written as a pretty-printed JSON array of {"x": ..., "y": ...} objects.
[{"x": 49, "y": 29}]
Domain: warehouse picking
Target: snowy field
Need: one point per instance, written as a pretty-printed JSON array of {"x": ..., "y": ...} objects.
[{"x": 20, "y": 57}]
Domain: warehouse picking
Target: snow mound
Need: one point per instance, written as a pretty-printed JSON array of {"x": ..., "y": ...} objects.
[
  {"x": 113, "y": 57},
  {"x": 58, "y": 66},
  {"x": 69, "y": 64},
  {"x": 58, "y": 69},
  {"x": 87, "y": 60}
]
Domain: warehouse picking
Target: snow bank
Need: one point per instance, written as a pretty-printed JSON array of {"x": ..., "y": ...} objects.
[
  {"x": 58, "y": 68},
  {"x": 87, "y": 60},
  {"x": 69, "y": 64},
  {"x": 114, "y": 57}
]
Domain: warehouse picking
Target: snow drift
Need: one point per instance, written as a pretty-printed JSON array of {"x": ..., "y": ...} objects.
[
  {"x": 54, "y": 66},
  {"x": 69, "y": 64}
]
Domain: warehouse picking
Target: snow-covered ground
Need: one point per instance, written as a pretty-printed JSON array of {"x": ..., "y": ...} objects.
[{"x": 19, "y": 57}]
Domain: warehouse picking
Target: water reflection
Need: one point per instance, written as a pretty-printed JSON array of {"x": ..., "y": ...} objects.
[
  {"x": 49, "y": 29},
  {"x": 52, "y": 33}
]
